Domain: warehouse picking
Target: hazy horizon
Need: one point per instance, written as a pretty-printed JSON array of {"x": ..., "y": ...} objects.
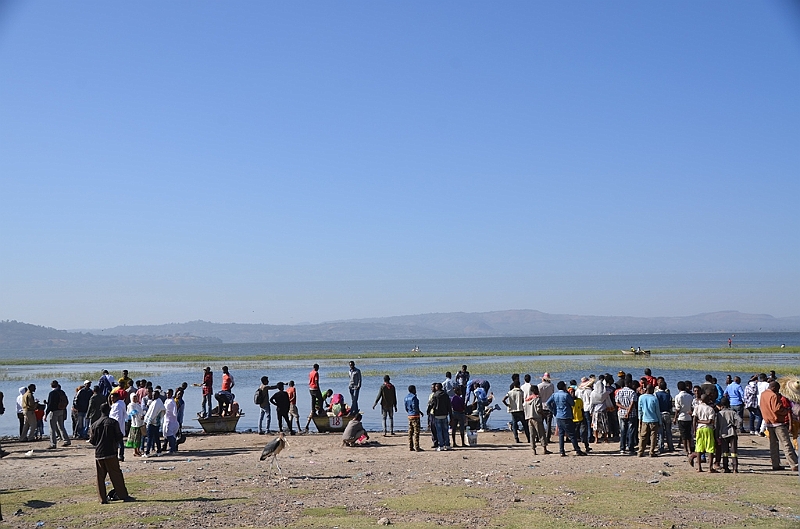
[{"x": 316, "y": 162}]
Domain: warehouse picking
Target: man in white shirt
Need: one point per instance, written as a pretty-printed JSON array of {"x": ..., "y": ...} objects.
[
  {"x": 448, "y": 386},
  {"x": 683, "y": 416},
  {"x": 119, "y": 413}
]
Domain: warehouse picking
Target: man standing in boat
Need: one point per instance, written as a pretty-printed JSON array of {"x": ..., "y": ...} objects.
[
  {"x": 313, "y": 389},
  {"x": 354, "y": 386}
]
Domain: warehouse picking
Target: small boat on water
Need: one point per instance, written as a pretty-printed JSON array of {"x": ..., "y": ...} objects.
[
  {"x": 416, "y": 349},
  {"x": 636, "y": 352},
  {"x": 217, "y": 424},
  {"x": 331, "y": 423}
]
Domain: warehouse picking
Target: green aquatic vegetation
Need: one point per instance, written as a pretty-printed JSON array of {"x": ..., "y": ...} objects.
[
  {"x": 201, "y": 360},
  {"x": 65, "y": 376},
  {"x": 699, "y": 362}
]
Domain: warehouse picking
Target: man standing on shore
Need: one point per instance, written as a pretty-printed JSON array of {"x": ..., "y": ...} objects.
[
  {"x": 57, "y": 403},
  {"x": 776, "y": 417},
  {"x": 546, "y": 390},
  {"x": 560, "y": 405},
  {"x": 262, "y": 399},
  {"x": 354, "y": 386},
  {"x": 106, "y": 438},
  {"x": 81, "y": 407},
  {"x": 650, "y": 420},
  {"x": 313, "y": 389},
  {"x": 387, "y": 397}
]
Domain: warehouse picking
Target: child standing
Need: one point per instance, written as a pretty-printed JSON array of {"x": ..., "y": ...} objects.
[
  {"x": 703, "y": 417},
  {"x": 728, "y": 424},
  {"x": 294, "y": 414},
  {"x": 414, "y": 415}
]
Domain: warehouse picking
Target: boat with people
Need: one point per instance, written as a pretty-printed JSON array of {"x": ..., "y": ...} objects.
[{"x": 637, "y": 351}]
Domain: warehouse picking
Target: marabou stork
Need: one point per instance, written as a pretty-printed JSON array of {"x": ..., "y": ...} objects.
[{"x": 272, "y": 449}]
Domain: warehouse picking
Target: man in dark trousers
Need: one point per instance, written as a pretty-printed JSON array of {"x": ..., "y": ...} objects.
[
  {"x": 280, "y": 399},
  {"x": 105, "y": 437},
  {"x": 387, "y": 397}
]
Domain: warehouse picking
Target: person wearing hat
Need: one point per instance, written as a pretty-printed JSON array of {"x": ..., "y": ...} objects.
[
  {"x": 546, "y": 390},
  {"x": 621, "y": 379},
  {"x": 81, "y": 407}
]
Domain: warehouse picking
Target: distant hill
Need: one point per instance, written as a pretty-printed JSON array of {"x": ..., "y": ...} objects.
[
  {"x": 467, "y": 325},
  {"x": 17, "y": 335}
]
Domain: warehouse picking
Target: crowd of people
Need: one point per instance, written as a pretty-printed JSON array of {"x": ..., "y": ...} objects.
[
  {"x": 143, "y": 413},
  {"x": 639, "y": 414}
]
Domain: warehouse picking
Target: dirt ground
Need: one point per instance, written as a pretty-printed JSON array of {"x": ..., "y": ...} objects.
[{"x": 218, "y": 481}]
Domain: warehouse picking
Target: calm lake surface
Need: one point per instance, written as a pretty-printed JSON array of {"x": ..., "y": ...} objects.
[{"x": 404, "y": 370}]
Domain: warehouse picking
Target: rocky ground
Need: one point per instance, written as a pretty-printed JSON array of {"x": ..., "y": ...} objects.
[{"x": 218, "y": 481}]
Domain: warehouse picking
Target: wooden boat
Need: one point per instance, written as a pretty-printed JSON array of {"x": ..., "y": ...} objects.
[
  {"x": 330, "y": 423},
  {"x": 217, "y": 424},
  {"x": 636, "y": 353}
]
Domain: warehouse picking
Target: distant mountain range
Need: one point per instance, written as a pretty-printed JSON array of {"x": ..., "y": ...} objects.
[{"x": 15, "y": 335}]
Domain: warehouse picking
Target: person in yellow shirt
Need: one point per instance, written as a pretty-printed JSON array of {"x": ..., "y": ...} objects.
[{"x": 581, "y": 431}]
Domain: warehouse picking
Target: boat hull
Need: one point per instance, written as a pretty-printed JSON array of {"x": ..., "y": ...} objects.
[
  {"x": 327, "y": 424},
  {"x": 216, "y": 424}
]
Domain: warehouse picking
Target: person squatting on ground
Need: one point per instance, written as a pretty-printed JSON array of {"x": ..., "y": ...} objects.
[
  {"x": 387, "y": 398},
  {"x": 414, "y": 416},
  {"x": 354, "y": 433}
]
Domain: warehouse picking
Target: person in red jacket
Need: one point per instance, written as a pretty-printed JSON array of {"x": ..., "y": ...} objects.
[{"x": 775, "y": 416}]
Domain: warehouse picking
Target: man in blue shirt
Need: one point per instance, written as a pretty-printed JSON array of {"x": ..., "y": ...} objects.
[
  {"x": 650, "y": 418},
  {"x": 665, "y": 407},
  {"x": 560, "y": 404},
  {"x": 735, "y": 394},
  {"x": 414, "y": 415}
]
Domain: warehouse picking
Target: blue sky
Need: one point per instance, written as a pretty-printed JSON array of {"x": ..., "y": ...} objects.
[{"x": 304, "y": 162}]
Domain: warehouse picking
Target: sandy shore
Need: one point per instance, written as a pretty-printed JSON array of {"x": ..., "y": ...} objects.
[{"x": 218, "y": 481}]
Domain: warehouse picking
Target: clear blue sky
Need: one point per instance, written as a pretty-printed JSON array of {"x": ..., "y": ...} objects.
[{"x": 303, "y": 162}]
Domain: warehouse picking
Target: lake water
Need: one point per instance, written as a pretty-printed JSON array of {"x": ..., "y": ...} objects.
[{"x": 404, "y": 370}]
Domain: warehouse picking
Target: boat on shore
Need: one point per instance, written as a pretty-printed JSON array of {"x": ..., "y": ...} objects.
[
  {"x": 331, "y": 423},
  {"x": 217, "y": 424}
]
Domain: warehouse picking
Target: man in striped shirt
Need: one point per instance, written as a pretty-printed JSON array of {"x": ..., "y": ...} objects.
[{"x": 628, "y": 423}]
